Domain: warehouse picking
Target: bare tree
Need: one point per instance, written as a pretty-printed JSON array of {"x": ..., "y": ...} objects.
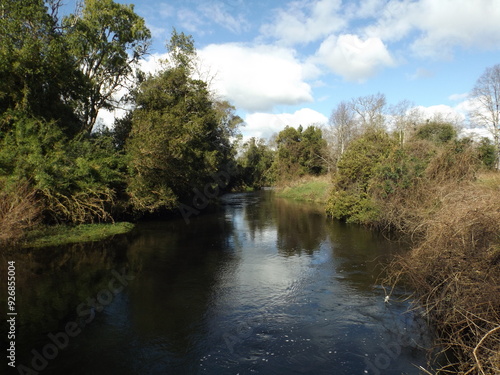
[
  {"x": 342, "y": 124},
  {"x": 339, "y": 132},
  {"x": 405, "y": 116},
  {"x": 486, "y": 100},
  {"x": 370, "y": 110}
]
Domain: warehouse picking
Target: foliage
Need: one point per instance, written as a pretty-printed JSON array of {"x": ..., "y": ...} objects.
[
  {"x": 37, "y": 74},
  {"x": 299, "y": 152},
  {"x": 107, "y": 39},
  {"x": 350, "y": 200},
  {"x": 487, "y": 153},
  {"x": 179, "y": 136},
  {"x": 254, "y": 163},
  {"x": 75, "y": 179},
  {"x": 437, "y": 132}
]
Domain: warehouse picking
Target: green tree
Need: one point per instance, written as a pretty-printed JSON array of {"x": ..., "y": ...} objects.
[
  {"x": 37, "y": 75},
  {"x": 255, "y": 161},
  {"x": 487, "y": 153},
  {"x": 350, "y": 199},
  {"x": 107, "y": 39},
  {"x": 300, "y": 152},
  {"x": 437, "y": 132},
  {"x": 178, "y": 138}
]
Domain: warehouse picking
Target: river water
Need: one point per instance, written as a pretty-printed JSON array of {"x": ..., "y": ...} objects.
[{"x": 260, "y": 285}]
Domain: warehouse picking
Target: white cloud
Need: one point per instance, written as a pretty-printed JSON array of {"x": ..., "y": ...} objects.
[
  {"x": 353, "y": 58},
  {"x": 444, "y": 112},
  {"x": 304, "y": 22},
  {"x": 440, "y": 26},
  {"x": 191, "y": 20},
  {"x": 458, "y": 97},
  {"x": 217, "y": 12},
  {"x": 257, "y": 78},
  {"x": 264, "y": 125}
]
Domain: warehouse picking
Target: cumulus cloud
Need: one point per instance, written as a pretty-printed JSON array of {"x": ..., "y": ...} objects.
[
  {"x": 257, "y": 78},
  {"x": 437, "y": 27},
  {"x": 353, "y": 58},
  {"x": 264, "y": 125},
  {"x": 304, "y": 22}
]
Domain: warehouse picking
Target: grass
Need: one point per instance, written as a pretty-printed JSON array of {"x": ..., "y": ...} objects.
[
  {"x": 65, "y": 234},
  {"x": 309, "y": 189}
]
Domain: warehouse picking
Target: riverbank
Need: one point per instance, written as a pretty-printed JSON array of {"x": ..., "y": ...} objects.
[
  {"x": 308, "y": 189},
  {"x": 455, "y": 270},
  {"x": 65, "y": 234}
]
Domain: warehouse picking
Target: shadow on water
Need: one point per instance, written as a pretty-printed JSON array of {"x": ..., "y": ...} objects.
[{"x": 260, "y": 285}]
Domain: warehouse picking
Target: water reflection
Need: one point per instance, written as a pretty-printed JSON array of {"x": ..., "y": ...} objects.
[{"x": 261, "y": 285}]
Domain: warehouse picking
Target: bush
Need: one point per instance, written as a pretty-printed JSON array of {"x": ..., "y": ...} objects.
[
  {"x": 75, "y": 181},
  {"x": 19, "y": 211},
  {"x": 350, "y": 199},
  {"x": 437, "y": 132}
]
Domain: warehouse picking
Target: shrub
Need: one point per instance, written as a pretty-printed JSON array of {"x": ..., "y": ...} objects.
[{"x": 19, "y": 210}]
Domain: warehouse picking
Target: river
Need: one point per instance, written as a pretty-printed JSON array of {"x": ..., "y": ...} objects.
[{"x": 260, "y": 285}]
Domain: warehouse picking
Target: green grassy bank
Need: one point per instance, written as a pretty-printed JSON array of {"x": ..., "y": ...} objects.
[
  {"x": 65, "y": 234},
  {"x": 308, "y": 189}
]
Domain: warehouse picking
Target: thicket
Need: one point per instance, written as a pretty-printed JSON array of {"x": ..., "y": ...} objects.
[{"x": 427, "y": 190}]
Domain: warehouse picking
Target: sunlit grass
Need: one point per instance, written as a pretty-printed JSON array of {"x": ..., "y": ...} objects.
[
  {"x": 64, "y": 234},
  {"x": 309, "y": 189}
]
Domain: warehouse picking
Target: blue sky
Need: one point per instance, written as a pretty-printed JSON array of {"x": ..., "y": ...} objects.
[{"x": 289, "y": 62}]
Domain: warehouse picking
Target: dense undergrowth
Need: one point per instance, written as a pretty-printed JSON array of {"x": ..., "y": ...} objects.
[{"x": 434, "y": 193}]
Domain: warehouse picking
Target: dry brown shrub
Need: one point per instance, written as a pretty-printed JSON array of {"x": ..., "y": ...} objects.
[
  {"x": 19, "y": 211},
  {"x": 456, "y": 274}
]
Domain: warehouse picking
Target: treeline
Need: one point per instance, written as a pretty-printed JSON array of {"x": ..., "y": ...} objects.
[
  {"x": 287, "y": 156},
  {"x": 57, "y": 165}
]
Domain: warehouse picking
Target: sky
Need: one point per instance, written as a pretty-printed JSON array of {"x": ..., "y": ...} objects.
[{"x": 292, "y": 62}]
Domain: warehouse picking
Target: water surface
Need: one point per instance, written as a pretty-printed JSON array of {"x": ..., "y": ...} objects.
[{"x": 259, "y": 286}]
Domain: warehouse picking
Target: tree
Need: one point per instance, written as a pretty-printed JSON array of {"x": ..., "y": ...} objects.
[
  {"x": 437, "y": 132},
  {"x": 182, "y": 53},
  {"x": 107, "y": 40},
  {"x": 486, "y": 99},
  {"x": 342, "y": 127},
  {"x": 299, "y": 152},
  {"x": 179, "y": 137},
  {"x": 255, "y": 161},
  {"x": 405, "y": 117},
  {"x": 37, "y": 74},
  {"x": 370, "y": 110}
]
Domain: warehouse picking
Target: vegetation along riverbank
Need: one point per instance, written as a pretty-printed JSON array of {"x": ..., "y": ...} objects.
[{"x": 178, "y": 144}]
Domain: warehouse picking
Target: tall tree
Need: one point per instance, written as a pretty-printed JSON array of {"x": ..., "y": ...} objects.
[
  {"x": 486, "y": 99},
  {"x": 370, "y": 110},
  {"x": 405, "y": 117},
  {"x": 343, "y": 126},
  {"x": 37, "y": 75},
  {"x": 107, "y": 40},
  {"x": 178, "y": 137}
]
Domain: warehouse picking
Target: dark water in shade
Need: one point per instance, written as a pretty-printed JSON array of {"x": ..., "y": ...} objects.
[{"x": 260, "y": 286}]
